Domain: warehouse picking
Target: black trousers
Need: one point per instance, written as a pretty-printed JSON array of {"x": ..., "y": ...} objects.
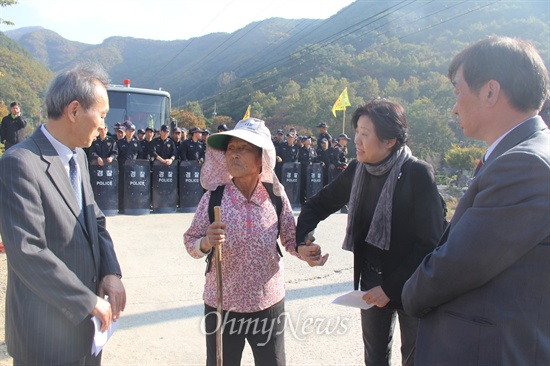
[
  {"x": 264, "y": 331},
  {"x": 378, "y": 324}
]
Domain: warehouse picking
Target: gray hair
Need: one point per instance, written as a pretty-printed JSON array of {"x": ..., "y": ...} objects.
[{"x": 74, "y": 84}]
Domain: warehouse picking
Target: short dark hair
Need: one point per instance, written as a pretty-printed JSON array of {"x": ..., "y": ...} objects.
[
  {"x": 74, "y": 84},
  {"x": 515, "y": 64},
  {"x": 388, "y": 119},
  {"x": 13, "y": 104}
]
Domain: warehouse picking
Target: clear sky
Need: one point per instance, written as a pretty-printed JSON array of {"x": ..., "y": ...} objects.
[{"x": 92, "y": 21}]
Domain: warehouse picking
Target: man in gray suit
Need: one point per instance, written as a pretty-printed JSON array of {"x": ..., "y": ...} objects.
[
  {"x": 483, "y": 294},
  {"x": 61, "y": 260}
]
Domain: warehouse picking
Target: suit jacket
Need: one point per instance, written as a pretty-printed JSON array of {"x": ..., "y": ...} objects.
[
  {"x": 484, "y": 294},
  {"x": 417, "y": 221},
  {"x": 56, "y": 257}
]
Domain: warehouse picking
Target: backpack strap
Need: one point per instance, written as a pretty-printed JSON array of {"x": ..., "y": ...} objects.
[
  {"x": 216, "y": 200},
  {"x": 278, "y": 203}
]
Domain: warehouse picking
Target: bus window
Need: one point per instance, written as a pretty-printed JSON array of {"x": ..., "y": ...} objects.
[{"x": 144, "y": 110}]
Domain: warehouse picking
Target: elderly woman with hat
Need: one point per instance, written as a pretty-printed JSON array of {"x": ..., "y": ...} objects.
[
  {"x": 395, "y": 219},
  {"x": 242, "y": 161}
]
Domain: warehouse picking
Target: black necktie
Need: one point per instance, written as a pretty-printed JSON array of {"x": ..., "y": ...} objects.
[{"x": 74, "y": 174}]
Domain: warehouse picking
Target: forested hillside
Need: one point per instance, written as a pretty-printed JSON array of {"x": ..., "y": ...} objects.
[
  {"x": 22, "y": 79},
  {"x": 292, "y": 71}
]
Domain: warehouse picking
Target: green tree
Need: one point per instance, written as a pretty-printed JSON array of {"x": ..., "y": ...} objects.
[
  {"x": 366, "y": 88},
  {"x": 187, "y": 119},
  {"x": 3, "y": 4},
  {"x": 195, "y": 108},
  {"x": 392, "y": 88},
  {"x": 465, "y": 158},
  {"x": 429, "y": 134},
  {"x": 4, "y": 110},
  {"x": 22, "y": 79},
  {"x": 263, "y": 105}
]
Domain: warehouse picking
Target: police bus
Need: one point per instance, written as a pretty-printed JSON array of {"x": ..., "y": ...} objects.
[{"x": 143, "y": 107}]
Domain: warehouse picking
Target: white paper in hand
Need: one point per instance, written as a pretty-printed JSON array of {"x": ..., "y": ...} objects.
[
  {"x": 100, "y": 339},
  {"x": 353, "y": 299}
]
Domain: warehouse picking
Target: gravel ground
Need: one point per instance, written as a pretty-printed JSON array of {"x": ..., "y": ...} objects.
[{"x": 162, "y": 321}]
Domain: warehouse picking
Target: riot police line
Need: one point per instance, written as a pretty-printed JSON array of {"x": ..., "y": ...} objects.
[{"x": 141, "y": 188}]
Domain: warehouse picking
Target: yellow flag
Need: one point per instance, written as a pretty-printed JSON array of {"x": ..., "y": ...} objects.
[
  {"x": 247, "y": 114},
  {"x": 341, "y": 103}
]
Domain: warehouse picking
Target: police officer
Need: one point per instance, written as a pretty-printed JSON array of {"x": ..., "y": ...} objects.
[
  {"x": 324, "y": 157},
  {"x": 343, "y": 140},
  {"x": 279, "y": 139},
  {"x": 146, "y": 144},
  {"x": 307, "y": 155},
  {"x": 164, "y": 148},
  {"x": 323, "y": 134},
  {"x": 104, "y": 149},
  {"x": 299, "y": 142},
  {"x": 205, "y": 134},
  {"x": 129, "y": 148},
  {"x": 183, "y": 134},
  {"x": 114, "y": 135},
  {"x": 141, "y": 134},
  {"x": 342, "y": 164},
  {"x": 119, "y": 131},
  {"x": 193, "y": 148},
  {"x": 286, "y": 153},
  {"x": 223, "y": 128},
  {"x": 175, "y": 135},
  {"x": 129, "y": 128}
]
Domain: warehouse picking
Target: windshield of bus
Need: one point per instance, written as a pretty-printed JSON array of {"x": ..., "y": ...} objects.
[{"x": 143, "y": 110}]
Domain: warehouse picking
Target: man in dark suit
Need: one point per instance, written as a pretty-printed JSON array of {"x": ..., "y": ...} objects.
[
  {"x": 13, "y": 125},
  {"x": 61, "y": 260},
  {"x": 484, "y": 294}
]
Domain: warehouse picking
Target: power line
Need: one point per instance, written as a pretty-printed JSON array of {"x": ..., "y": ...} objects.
[
  {"x": 303, "y": 57},
  {"x": 313, "y": 47},
  {"x": 259, "y": 77}
]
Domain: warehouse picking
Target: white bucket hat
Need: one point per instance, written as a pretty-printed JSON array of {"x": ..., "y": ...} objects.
[{"x": 214, "y": 171}]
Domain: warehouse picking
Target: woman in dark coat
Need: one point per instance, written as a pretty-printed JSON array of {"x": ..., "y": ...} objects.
[{"x": 395, "y": 219}]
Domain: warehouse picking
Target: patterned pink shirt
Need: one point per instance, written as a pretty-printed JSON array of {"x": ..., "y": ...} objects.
[{"x": 252, "y": 270}]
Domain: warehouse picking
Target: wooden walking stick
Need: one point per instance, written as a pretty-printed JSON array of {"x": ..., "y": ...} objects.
[{"x": 218, "y": 254}]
